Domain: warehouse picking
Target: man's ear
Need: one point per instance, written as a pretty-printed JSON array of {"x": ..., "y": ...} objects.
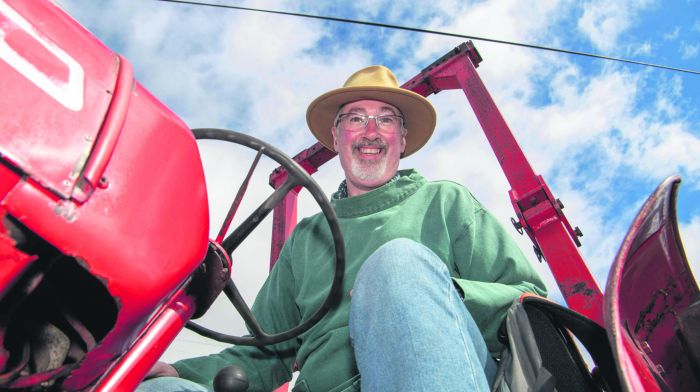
[
  {"x": 403, "y": 141},
  {"x": 335, "y": 138}
]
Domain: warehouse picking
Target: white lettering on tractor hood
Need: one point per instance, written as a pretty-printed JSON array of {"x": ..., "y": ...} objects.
[{"x": 67, "y": 91}]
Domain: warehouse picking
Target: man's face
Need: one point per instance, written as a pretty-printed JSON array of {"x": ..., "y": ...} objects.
[{"x": 369, "y": 155}]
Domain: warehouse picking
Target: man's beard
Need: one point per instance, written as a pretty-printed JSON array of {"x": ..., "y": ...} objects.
[{"x": 369, "y": 170}]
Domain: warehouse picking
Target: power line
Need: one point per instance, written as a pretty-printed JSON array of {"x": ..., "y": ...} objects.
[{"x": 436, "y": 32}]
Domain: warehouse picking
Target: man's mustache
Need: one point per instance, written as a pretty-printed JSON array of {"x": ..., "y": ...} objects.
[{"x": 376, "y": 143}]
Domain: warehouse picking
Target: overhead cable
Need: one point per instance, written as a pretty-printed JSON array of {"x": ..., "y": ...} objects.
[{"x": 436, "y": 32}]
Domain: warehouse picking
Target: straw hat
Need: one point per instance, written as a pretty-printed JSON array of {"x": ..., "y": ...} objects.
[{"x": 377, "y": 83}]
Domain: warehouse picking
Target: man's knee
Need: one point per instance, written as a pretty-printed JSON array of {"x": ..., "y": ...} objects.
[
  {"x": 396, "y": 269},
  {"x": 398, "y": 259}
]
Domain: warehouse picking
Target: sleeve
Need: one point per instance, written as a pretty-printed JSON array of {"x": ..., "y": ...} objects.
[
  {"x": 266, "y": 367},
  {"x": 492, "y": 273}
]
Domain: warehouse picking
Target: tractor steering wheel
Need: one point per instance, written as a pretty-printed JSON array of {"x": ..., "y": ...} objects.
[{"x": 296, "y": 177}]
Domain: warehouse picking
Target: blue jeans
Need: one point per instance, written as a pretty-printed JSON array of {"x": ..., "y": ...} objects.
[{"x": 409, "y": 328}]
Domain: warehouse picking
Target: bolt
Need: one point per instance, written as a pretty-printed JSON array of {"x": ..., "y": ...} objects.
[
  {"x": 518, "y": 226},
  {"x": 660, "y": 370},
  {"x": 538, "y": 253}
]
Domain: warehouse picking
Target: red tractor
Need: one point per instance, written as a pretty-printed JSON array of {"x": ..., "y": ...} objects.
[{"x": 86, "y": 225}]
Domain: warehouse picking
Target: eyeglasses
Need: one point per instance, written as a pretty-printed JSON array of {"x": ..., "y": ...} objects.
[{"x": 356, "y": 122}]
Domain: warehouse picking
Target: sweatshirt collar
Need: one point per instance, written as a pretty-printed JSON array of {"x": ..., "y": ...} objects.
[
  {"x": 403, "y": 185},
  {"x": 342, "y": 192}
]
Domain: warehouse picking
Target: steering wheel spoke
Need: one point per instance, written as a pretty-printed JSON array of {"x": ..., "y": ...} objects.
[
  {"x": 296, "y": 177},
  {"x": 236, "y": 299},
  {"x": 251, "y": 223},
  {"x": 239, "y": 197}
]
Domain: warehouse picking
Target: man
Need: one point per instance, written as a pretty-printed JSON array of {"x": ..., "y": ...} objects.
[{"x": 417, "y": 253}]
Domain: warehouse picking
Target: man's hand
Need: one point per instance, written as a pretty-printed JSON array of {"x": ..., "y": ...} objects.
[{"x": 161, "y": 369}]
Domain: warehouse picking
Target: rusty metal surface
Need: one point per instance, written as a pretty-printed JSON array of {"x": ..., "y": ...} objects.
[{"x": 650, "y": 283}]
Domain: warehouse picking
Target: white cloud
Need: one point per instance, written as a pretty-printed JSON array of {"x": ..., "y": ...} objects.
[
  {"x": 603, "y": 21},
  {"x": 689, "y": 51},
  {"x": 673, "y": 34},
  {"x": 666, "y": 149},
  {"x": 643, "y": 49},
  {"x": 580, "y": 113}
]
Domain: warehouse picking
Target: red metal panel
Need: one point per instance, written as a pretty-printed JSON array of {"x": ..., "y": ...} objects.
[
  {"x": 57, "y": 81},
  {"x": 649, "y": 286},
  {"x": 91, "y": 176},
  {"x": 147, "y": 229},
  {"x": 99, "y": 169}
]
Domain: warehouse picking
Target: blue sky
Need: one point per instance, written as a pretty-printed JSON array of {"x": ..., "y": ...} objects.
[{"x": 603, "y": 134}]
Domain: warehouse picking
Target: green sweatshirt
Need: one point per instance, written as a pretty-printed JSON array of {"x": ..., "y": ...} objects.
[{"x": 444, "y": 216}]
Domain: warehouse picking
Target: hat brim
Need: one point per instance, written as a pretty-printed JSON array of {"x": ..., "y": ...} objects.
[{"x": 419, "y": 114}]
